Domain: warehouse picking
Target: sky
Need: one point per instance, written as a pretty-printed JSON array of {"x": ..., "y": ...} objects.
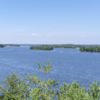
[{"x": 49, "y": 21}]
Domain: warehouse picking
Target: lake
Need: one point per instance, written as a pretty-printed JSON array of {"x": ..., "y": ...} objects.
[{"x": 68, "y": 64}]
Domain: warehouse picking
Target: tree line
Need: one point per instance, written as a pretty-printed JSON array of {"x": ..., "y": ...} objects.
[
  {"x": 14, "y": 45},
  {"x": 65, "y": 46},
  {"x": 18, "y": 89},
  {"x": 50, "y": 46},
  {"x": 1, "y": 46},
  {"x": 90, "y": 49},
  {"x": 42, "y": 47},
  {"x": 4, "y": 45}
]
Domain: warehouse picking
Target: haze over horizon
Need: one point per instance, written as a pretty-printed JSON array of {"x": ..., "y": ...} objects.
[{"x": 50, "y": 22}]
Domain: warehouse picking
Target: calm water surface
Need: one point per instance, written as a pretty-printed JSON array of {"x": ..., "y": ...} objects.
[{"x": 68, "y": 64}]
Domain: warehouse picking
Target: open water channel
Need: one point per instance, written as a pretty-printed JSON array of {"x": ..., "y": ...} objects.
[{"x": 68, "y": 64}]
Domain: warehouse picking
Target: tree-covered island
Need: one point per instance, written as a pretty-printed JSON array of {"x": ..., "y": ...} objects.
[
  {"x": 12, "y": 45},
  {"x": 42, "y": 47},
  {"x": 83, "y": 48},
  {"x": 66, "y": 46},
  {"x": 50, "y": 46},
  {"x": 1, "y": 46},
  {"x": 90, "y": 49}
]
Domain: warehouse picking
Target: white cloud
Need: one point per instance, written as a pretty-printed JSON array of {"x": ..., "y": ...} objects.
[
  {"x": 34, "y": 34},
  {"x": 28, "y": 34},
  {"x": 83, "y": 36},
  {"x": 21, "y": 34}
]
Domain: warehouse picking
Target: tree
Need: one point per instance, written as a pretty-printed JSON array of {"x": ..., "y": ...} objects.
[
  {"x": 42, "y": 89},
  {"x": 94, "y": 91},
  {"x": 71, "y": 92},
  {"x": 15, "y": 88}
]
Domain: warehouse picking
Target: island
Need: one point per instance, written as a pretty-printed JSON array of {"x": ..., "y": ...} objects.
[
  {"x": 12, "y": 45},
  {"x": 66, "y": 46},
  {"x": 90, "y": 49},
  {"x": 83, "y": 48},
  {"x": 51, "y": 46},
  {"x": 1, "y": 46},
  {"x": 42, "y": 47}
]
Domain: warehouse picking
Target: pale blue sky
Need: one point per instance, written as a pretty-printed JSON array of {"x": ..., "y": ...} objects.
[{"x": 50, "y": 21}]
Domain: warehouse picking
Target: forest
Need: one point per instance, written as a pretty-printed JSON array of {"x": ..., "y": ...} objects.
[
  {"x": 14, "y": 45},
  {"x": 42, "y": 47},
  {"x": 57, "y": 46},
  {"x": 90, "y": 49},
  {"x": 1, "y": 46},
  {"x": 51, "y": 46},
  {"x": 65, "y": 46},
  {"x": 16, "y": 88}
]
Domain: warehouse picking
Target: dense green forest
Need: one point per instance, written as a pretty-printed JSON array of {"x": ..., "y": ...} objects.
[
  {"x": 1, "y": 46},
  {"x": 10, "y": 45},
  {"x": 90, "y": 49},
  {"x": 42, "y": 47},
  {"x": 50, "y": 46},
  {"x": 15, "y": 88},
  {"x": 66, "y": 46}
]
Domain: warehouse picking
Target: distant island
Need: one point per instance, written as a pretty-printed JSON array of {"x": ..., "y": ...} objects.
[
  {"x": 50, "y": 47},
  {"x": 90, "y": 49},
  {"x": 9, "y": 45},
  {"x": 12, "y": 45},
  {"x": 65, "y": 46},
  {"x": 42, "y": 47},
  {"x": 82, "y": 48},
  {"x": 1, "y": 46}
]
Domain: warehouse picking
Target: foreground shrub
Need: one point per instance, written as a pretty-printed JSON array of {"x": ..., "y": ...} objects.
[
  {"x": 17, "y": 89},
  {"x": 94, "y": 91},
  {"x": 73, "y": 92},
  {"x": 42, "y": 89}
]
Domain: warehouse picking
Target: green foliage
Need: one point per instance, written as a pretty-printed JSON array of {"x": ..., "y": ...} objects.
[
  {"x": 12, "y": 45},
  {"x": 73, "y": 92},
  {"x": 42, "y": 89},
  {"x": 1, "y": 97},
  {"x": 90, "y": 49},
  {"x": 1, "y": 46},
  {"x": 94, "y": 91},
  {"x": 43, "y": 47},
  {"x": 45, "y": 68},
  {"x": 15, "y": 88},
  {"x": 65, "y": 46},
  {"x": 50, "y": 47}
]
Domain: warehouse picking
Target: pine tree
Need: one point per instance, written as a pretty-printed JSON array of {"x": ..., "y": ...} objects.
[
  {"x": 71, "y": 92},
  {"x": 41, "y": 89},
  {"x": 94, "y": 91},
  {"x": 15, "y": 88}
]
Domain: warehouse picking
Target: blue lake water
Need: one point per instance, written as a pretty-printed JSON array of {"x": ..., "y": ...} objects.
[{"x": 68, "y": 64}]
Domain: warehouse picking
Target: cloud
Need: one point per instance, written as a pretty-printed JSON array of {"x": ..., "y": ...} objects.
[
  {"x": 34, "y": 34},
  {"x": 28, "y": 34},
  {"x": 21, "y": 34},
  {"x": 83, "y": 36}
]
